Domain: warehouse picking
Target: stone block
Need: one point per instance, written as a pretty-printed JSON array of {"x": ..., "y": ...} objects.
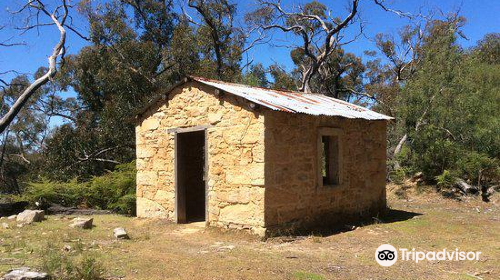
[
  {"x": 145, "y": 151},
  {"x": 162, "y": 196},
  {"x": 150, "y": 124},
  {"x": 120, "y": 233},
  {"x": 215, "y": 117},
  {"x": 241, "y": 214},
  {"x": 238, "y": 176},
  {"x": 147, "y": 178},
  {"x": 150, "y": 209}
]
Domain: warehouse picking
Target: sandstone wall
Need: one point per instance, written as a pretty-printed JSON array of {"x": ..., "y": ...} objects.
[
  {"x": 235, "y": 156},
  {"x": 294, "y": 197}
]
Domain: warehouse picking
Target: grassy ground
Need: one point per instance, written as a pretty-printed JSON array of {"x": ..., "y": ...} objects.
[{"x": 161, "y": 250}]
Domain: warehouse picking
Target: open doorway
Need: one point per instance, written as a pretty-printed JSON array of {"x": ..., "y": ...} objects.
[{"x": 189, "y": 172}]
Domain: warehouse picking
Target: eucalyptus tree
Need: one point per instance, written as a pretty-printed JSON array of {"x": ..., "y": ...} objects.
[{"x": 319, "y": 33}]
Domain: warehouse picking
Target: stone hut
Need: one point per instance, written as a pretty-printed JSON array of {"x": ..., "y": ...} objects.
[{"x": 244, "y": 157}]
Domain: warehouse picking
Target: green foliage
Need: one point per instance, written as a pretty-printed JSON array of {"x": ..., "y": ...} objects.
[
  {"x": 433, "y": 152},
  {"x": 89, "y": 268},
  {"x": 112, "y": 191},
  {"x": 70, "y": 266},
  {"x": 302, "y": 275},
  {"x": 405, "y": 159},
  {"x": 449, "y": 108},
  {"x": 446, "y": 180},
  {"x": 256, "y": 76},
  {"x": 138, "y": 49},
  {"x": 281, "y": 79},
  {"x": 125, "y": 204},
  {"x": 478, "y": 166},
  {"x": 23, "y": 137},
  {"x": 397, "y": 176},
  {"x": 115, "y": 190},
  {"x": 65, "y": 193}
]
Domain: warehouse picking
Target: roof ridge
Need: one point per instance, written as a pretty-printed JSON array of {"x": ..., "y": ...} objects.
[
  {"x": 285, "y": 100},
  {"x": 244, "y": 85}
]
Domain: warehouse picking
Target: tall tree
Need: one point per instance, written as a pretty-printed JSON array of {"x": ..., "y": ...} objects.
[
  {"x": 131, "y": 57},
  {"x": 447, "y": 108},
  {"x": 320, "y": 34},
  {"x": 222, "y": 41}
]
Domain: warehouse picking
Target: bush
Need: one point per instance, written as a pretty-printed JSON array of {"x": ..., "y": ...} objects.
[
  {"x": 397, "y": 176},
  {"x": 46, "y": 192},
  {"x": 89, "y": 268},
  {"x": 438, "y": 157},
  {"x": 446, "y": 180},
  {"x": 67, "y": 266},
  {"x": 475, "y": 165},
  {"x": 112, "y": 191},
  {"x": 125, "y": 205}
]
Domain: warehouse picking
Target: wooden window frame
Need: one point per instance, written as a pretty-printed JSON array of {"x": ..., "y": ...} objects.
[{"x": 329, "y": 131}]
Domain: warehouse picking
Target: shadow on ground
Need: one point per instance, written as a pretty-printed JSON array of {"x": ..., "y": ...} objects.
[
  {"x": 391, "y": 216},
  {"x": 394, "y": 215}
]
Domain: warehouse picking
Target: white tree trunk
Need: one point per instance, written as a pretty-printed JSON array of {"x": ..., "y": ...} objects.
[{"x": 58, "y": 50}]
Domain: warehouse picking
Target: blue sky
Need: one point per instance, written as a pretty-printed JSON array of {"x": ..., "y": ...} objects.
[{"x": 483, "y": 17}]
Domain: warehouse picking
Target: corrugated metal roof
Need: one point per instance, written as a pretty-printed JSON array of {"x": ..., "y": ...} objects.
[{"x": 296, "y": 102}]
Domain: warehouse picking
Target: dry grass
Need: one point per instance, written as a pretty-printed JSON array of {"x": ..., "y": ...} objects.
[{"x": 160, "y": 250}]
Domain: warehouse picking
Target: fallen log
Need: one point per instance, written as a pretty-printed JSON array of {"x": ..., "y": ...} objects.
[
  {"x": 56, "y": 209},
  {"x": 12, "y": 208},
  {"x": 466, "y": 188}
]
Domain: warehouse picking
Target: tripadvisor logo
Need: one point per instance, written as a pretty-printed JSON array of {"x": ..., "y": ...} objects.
[{"x": 387, "y": 255}]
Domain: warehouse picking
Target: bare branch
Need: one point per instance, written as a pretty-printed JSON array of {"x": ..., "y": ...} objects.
[
  {"x": 95, "y": 156},
  {"x": 58, "y": 51},
  {"x": 397, "y": 12},
  {"x": 86, "y": 38},
  {"x": 7, "y": 43}
]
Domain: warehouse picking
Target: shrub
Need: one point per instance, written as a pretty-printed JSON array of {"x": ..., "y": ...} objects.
[
  {"x": 475, "y": 165},
  {"x": 63, "y": 266},
  {"x": 446, "y": 180},
  {"x": 45, "y": 192},
  {"x": 126, "y": 204},
  {"x": 112, "y": 191},
  {"x": 115, "y": 190},
  {"x": 398, "y": 176},
  {"x": 89, "y": 268}
]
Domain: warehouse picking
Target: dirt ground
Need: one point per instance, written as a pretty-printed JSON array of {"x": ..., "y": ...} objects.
[{"x": 161, "y": 250}]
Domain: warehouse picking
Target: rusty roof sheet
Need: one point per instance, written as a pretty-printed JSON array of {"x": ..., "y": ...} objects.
[{"x": 296, "y": 102}]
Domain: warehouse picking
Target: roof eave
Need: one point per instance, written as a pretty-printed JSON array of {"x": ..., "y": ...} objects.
[{"x": 141, "y": 113}]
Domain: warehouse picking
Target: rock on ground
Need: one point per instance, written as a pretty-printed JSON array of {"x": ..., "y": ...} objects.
[
  {"x": 24, "y": 273},
  {"x": 5, "y": 225},
  {"x": 120, "y": 233},
  {"x": 13, "y": 217},
  {"x": 30, "y": 216},
  {"x": 85, "y": 223}
]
